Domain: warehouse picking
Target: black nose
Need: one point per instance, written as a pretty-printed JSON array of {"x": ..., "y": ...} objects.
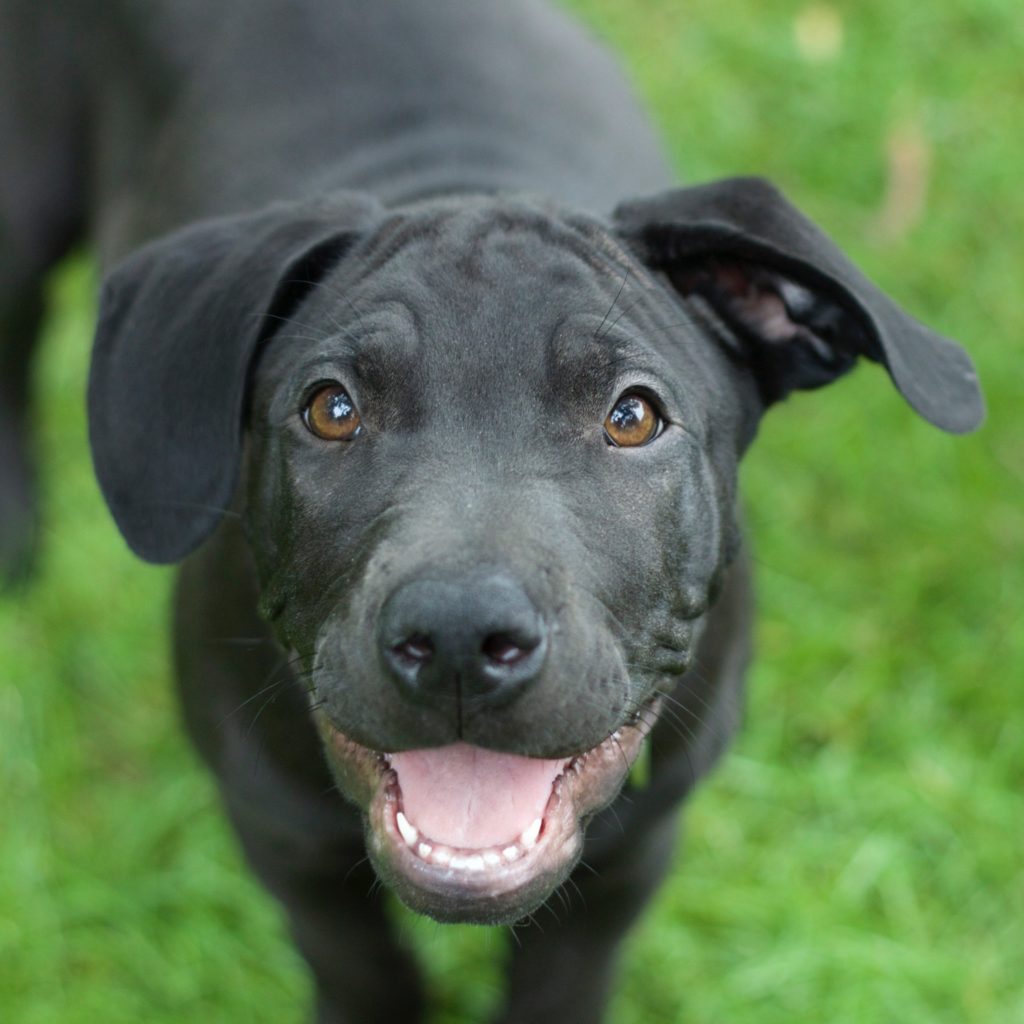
[{"x": 478, "y": 638}]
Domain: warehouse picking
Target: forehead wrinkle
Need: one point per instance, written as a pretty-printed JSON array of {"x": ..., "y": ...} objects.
[{"x": 477, "y": 221}]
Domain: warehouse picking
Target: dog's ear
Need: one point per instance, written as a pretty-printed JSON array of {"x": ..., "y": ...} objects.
[
  {"x": 179, "y": 323},
  {"x": 795, "y": 307}
]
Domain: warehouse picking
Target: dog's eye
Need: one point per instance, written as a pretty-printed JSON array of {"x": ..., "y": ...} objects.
[
  {"x": 331, "y": 414},
  {"x": 632, "y": 423}
]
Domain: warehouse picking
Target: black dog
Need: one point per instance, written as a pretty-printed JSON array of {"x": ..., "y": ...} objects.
[{"x": 479, "y": 433}]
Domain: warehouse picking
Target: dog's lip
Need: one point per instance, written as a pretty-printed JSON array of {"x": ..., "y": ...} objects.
[{"x": 497, "y": 883}]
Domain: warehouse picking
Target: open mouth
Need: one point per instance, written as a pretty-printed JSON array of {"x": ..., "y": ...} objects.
[{"x": 464, "y": 833}]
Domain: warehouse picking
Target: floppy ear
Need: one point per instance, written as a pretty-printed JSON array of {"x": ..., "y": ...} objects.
[
  {"x": 179, "y": 323},
  {"x": 798, "y": 310}
]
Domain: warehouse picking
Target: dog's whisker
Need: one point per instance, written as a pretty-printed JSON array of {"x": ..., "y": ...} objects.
[
  {"x": 625, "y": 277},
  {"x": 336, "y": 292},
  {"x": 245, "y": 703},
  {"x": 585, "y": 865},
  {"x": 355, "y": 867},
  {"x": 628, "y": 309},
  {"x": 292, "y": 336},
  {"x": 571, "y": 882},
  {"x": 319, "y": 334}
]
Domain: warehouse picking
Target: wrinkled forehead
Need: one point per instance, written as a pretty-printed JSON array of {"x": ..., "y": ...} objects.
[
  {"x": 487, "y": 259},
  {"x": 489, "y": 289}
]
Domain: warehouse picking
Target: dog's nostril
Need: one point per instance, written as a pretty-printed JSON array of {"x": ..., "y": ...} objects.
[
  {"x": 416, "y": 650},
  {"x": 504, "y": 649}
]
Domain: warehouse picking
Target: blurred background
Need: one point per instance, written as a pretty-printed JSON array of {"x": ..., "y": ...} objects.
[{"x": 860, "y": 854}]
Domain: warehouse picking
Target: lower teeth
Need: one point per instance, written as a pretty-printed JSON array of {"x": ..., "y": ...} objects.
[{"x": 466, "y": 860}]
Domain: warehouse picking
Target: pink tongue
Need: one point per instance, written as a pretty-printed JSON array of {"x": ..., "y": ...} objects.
[{"x": 469, "y": 797}]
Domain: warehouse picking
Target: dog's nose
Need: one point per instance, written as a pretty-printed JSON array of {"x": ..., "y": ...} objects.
[{"x": 479, "y": 639}]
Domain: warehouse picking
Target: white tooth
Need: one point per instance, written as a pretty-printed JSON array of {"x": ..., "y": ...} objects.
[
  {"x": 424, "y": 850},
  {"x": 458, "y": 861},
  {"x": 491, "y": 858},
  {"x": 441, "y": 856},
  {"x": 511, "y": 852},
  {"x": 475, "y": 863},
  {"x": 529, "y": 837},
  {"x": 407, "y": 828}
]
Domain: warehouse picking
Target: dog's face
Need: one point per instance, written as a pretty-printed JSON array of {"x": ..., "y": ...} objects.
[
  {"x": 489, "y": 517},
  {"x": 492, "y": 459}
]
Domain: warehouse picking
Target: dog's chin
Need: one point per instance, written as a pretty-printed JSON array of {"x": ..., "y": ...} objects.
[{"x": 465, "y": 834}]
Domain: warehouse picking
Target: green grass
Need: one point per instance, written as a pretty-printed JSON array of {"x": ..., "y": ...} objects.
[{"x": 860, "y": 855}]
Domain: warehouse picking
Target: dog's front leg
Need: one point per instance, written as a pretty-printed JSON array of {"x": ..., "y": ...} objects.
[
  {"x": 562, "y": 970},
  {"x": 336, "y": 914},
  {"x": 248, "y": 714}
]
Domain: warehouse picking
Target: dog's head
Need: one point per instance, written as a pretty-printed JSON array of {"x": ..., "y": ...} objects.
[{"x": 490, "y": 485}]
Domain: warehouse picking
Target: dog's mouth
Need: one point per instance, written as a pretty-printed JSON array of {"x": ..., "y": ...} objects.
[{"x": 464, "y": 833}]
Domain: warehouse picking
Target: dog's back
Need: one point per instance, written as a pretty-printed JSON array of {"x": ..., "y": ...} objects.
[{"x": 199, "y": 109}]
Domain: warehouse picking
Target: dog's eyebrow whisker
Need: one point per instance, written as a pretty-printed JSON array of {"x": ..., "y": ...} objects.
[
  {"x": 292, "y": 336},
  {"x": 625, "y": 277},
  {"x": 320, "y": 335},
  {"x": 629, "y": 309},
  {"x": 317, "y": 333},
  {"x": 341, "y": 296},
  {"x": 334, "y": 291}
]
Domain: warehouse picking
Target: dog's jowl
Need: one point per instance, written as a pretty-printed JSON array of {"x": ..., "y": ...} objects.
[{"x": 378, "y": 286}]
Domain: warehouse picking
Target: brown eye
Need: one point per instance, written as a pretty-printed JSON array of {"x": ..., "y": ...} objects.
[
  {"x": 330, "y": 414},
  {"x": 632, "y": 423}
]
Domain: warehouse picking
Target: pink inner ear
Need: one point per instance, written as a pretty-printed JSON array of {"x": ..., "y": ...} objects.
[
  {"x": 748, "y": 294},
  {"x": 753, "y": 300}
]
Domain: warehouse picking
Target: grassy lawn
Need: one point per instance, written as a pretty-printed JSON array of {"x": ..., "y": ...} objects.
[{"x": 860, "y": 855}]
